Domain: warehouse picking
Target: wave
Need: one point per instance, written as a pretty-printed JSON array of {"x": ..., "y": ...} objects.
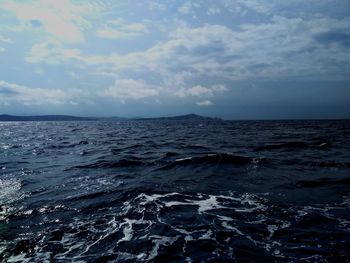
[
  {"x": 323, "y": 182},
  {"x": 330, "y": 164},
  {"x": 163, "y": 164},
  {"x": 210, "y": 159},
  {"x": 194, "y": 147},
  {"x": 133, "y": 147},
  {"x": 114, "y": 164},
  {"x": 292, "y": 145},
  {"x": 171, "y": 154},
  {"x": 320, "y": 164},
  {"x": 65, "y": 145}
]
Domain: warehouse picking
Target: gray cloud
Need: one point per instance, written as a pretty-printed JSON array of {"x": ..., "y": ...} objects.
[
  {"x": 334, "y": 37},
  {"x": 5, "y": 91}
]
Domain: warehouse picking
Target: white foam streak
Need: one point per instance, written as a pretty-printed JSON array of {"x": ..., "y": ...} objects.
[
  {"x": 127, "y": 230},
  {"x": 203, "y": 205},
  {"x": 160, "y": 240}
]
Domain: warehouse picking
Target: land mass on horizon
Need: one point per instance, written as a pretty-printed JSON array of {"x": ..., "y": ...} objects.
[{"x": 188, "y": 117}]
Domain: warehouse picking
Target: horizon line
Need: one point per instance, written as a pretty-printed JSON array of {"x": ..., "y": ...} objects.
[{"x": 171, "y": 116}]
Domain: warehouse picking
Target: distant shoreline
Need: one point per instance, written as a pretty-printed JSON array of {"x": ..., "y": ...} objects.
[{"x": 188, "y": 117}]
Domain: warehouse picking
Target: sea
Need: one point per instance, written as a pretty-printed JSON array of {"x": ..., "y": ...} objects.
[{"x": 175, "y": 191}]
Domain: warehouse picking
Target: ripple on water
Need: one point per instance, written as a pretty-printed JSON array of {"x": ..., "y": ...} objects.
[{"x": 10, "y": 191}]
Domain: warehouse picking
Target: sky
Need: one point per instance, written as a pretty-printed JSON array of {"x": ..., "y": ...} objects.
[{"x": 234, "y": 59}]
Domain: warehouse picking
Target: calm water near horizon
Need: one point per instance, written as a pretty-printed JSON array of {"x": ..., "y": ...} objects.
[{"x": 166, "y": 191}]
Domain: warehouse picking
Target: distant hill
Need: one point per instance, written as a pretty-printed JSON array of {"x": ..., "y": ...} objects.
[{"x": 188, "y": 117}]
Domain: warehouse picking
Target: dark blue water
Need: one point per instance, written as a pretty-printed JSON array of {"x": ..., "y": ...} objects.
[{"x": 163, "y": 191}]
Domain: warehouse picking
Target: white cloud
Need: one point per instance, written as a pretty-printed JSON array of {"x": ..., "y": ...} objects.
[
  {"x": 219, "y": 88},
  {"x": 290, "y": 8},
  {"x": 213, "y": 11},
  {"x": 263, "y": 40},
  {"x": 130, "y": 89},
  {"x": 185, "y": 9},
  {"x": 279, "y": 48},
  {"x": 5, "y": 39},
  {"x": 253, "y": 51},
  {"x": 79, "y": 96},
  {"x": 201, "y": 91},
  {"x": 188, "y": 7},
  {"x": 116, "y": 34},
  {"x": 118, "y": 29},
  {"x": 255, "y": 5},
  {"x": 50, "y": 52},
  {"x": 135, "y": 27},
  {"x": 73, "y": 75},
  {"x": 30, "y": 96},
  {"x": 63, "y": 19},
  {"x": 39, "y": 71},
  {"x": 10, "y": 92},
  {"x": 204, "y": 103},
  {"x": 105, "y": 73},
  {"x": 261, "y": 7}
]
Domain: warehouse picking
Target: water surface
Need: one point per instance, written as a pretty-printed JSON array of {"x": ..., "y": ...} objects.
[{"x": 165, "y": 191}]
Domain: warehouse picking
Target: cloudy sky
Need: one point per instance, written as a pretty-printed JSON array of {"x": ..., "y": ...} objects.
[{"x": 237, "y": 59}]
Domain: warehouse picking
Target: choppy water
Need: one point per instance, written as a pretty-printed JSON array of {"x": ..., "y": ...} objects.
[{"x": 159, "y": 191}]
